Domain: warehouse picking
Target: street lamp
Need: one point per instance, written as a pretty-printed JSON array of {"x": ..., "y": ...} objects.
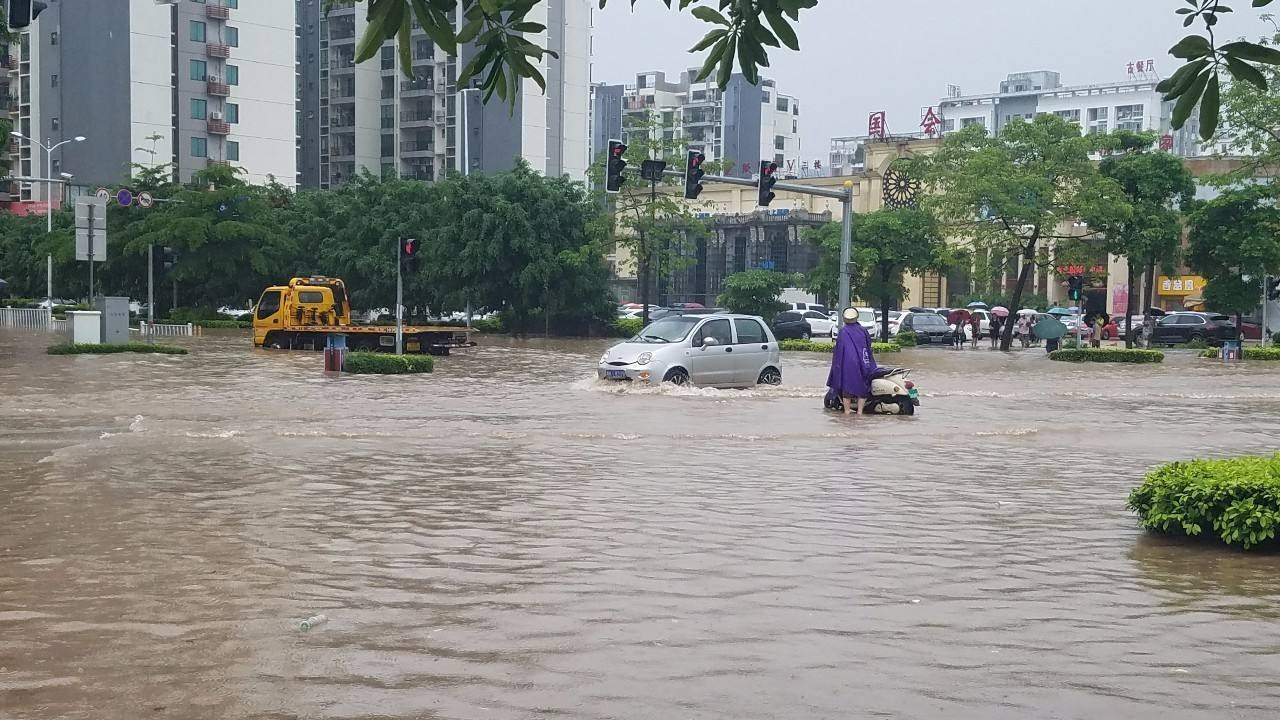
[{"x": 48, "y": 198}]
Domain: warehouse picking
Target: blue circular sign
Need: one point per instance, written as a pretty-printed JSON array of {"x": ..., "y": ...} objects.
[{"x": 124, "y": 197}]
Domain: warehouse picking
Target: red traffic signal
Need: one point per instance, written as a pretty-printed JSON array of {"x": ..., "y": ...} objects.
[
  {"x": 768, "y": 169},
  {"x": 693, "y": 174},
  {"x": 409, "y": 248},
  {"x": 614, "y": 166}
]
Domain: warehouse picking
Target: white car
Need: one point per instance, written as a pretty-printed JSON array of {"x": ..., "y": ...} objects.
[
  {"x": 866, "y": 318},
  {"x": 820, "y": 324},
  {"x": 718, "y": 350}
]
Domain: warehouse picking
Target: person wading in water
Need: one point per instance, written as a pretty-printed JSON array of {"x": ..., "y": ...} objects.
[{"x": 852, "y": 365}]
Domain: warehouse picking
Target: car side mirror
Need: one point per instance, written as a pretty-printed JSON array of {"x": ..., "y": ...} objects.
[{"x": 709, "y": 342}]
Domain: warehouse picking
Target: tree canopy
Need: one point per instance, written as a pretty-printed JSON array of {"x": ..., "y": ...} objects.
[
  {"x": 1234, "y": 241},
  {"x": 755, "y": 292}
]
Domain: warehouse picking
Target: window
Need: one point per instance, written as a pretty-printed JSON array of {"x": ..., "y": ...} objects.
[
  {"x": 718, "y": 329},
  {"x": 269, "y": 304},
  {"x": 53, "y": 80},
  {"x": 233, "y": 4},
  {"x": 1129, "y": 117},
  {"x": 233, "y": 74},
  {"x": 779, "y": 142},
  {"x": 388, "y": 145},
  {"x": 310, "y": 297},
  {"x": 815, "y": 315},
  {"x": 197, "y": 31},
  {"x": 233, "y": 37},
  {"x": 53, "y": 38},
  {"x": 783, "y": 105},
  {"x": 750, "y": 332},
  {"x": 233, "y": 150},
  {"x": 233, "y": 113},
  {"x": 766, "y": 97},
  {"x": 1071, "y": 116},
  {"x": 388, "y": 58},
  {"x": 199, "y": 147},
  {"x": 198, "y": 70},
  {"x": 966, "y": 122},
  {"x": 199, "y": 109},
  {"x": 948, "y": 125},
  {"x": 787, "y": 317},
  {"x": 795, "y": 127},
  {"x": 54, "y": 124},
  {"x": 1097, "y": 120}
]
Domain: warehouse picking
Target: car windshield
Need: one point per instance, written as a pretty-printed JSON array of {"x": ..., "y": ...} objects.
[
  {"x": 866, "y": 316},
  {"x": 667, "y": 330}
]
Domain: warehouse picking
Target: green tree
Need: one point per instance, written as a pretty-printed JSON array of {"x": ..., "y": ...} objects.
[
  {"x": 1157, "y": 186},
  {"x": 1251, "y": 118},
  {"x": 519, "y": 242},
  {"x": 886, "y": 243},
  {"x": 1008, "y": 194},
  {"x": 755, "y": 292},
  {"x": 652, "y": 223},
  {"x": 1234, "y": 241}
]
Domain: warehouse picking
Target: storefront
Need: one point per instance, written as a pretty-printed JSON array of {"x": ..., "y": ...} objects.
[{"x": 1180, "y": 292}]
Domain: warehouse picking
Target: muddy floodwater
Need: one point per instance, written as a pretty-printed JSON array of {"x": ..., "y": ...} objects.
[{"x": 509, "y": 538}]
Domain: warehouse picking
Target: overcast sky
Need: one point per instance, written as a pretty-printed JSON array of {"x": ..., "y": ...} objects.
[{"x": 859, "y": 56}]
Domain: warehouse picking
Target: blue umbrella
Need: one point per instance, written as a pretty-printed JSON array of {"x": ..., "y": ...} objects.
[
  {"x": 978, "y": 304},
  {"x": 1062, "y": 311}
]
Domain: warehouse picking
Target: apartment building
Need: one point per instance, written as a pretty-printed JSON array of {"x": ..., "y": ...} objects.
[
  {"x": 744, "y": 123},
  {"x": 1132, "y": 104},
  {"x": 372, "y": 117},
  {"x": 191, "y": 82}
]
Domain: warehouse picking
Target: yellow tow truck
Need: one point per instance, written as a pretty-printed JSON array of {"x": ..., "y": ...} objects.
[{"x": 302, "y": 314}]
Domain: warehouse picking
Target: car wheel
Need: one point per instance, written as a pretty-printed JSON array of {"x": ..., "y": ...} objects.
[
  {"x": 676, "y": 376},
  {"x": 770, "y": 376},
  {"x": 1196, "y": 337},
  {"x": 805, "y": 334}
]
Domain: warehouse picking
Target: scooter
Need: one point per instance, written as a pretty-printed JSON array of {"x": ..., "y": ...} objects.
[{"x": 891, "y": 394}]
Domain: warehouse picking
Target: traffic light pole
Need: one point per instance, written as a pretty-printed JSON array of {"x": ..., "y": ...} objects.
[
  {"x": 399, "y": 302},
  {"x": 845, "y": 196},
  {"x": 1266, "y": 298}
]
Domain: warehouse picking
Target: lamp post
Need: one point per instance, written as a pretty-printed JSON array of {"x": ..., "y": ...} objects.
[{"x": 48, "y": 201}]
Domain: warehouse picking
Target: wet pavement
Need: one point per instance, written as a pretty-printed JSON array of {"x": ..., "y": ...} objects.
[{"x": 509, "y": 538}]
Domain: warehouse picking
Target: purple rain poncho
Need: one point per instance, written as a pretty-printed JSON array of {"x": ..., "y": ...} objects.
[{"x": 852, "y": 366}]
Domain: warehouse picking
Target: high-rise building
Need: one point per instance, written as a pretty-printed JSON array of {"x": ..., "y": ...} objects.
[
  {"x": 191, "y": 82},
  {"x": 372, "y": 117},
  {"x": 744, "y": 123},
  {"x": 1131, "y": 104}
]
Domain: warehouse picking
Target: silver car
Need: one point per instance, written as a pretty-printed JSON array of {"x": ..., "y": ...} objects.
[{"x": 719, "y": 350}]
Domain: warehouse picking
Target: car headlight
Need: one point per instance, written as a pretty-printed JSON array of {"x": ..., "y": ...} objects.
[
  {"x": 644, "y": 359},
  {"x": 604, "y": 358}
]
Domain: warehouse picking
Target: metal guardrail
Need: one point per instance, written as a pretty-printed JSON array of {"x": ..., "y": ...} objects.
[
  {"x": 27, "y": 318},
  {"x": 158, "y": 330}
]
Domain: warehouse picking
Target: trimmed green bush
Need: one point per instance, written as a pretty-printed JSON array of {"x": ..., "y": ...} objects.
[
  {"x": 133, "y": 347},
  {"x": 627, "y": 327},
  {"x": 493, "y": 325},
  {"x": 210, "y": 324},
  {"x": 1249, "y": 352},
  {"x": 1236, "y": 499},
  {"x": 826, "y": 347},
  {"x": 906, "y": 338},
  {"x": 1107, "y": 355},
  {"x": 372, "y": 363}
]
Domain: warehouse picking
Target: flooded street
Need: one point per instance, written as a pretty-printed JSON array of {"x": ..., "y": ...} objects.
[{"x": 509, "y": 538}]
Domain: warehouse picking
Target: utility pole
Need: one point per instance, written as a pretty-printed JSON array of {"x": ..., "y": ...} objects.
[
  {"x": 846, "y": 245},
  {"x": 151, "y": 285},
  {"x": 399, "y": 301},
  {"x": 90, "y": 232},
  {"x": 1266, "y": 298}
]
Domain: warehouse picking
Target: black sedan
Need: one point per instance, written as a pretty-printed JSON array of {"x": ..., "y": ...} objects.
[
  {"x": 792, "y": 325},
  {"x": 1184, "y": 327},
  {"x": 929, "y": 327}
]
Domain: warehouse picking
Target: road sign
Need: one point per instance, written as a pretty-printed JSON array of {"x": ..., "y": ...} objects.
[
  {"x": 103, "y": 193},
  {"x": 91, "y": 228},
  {"x": 99, "y": 205},
  {"x": 124, "y": 197},
  {"x": 145, "y": 200},
  {"x": 99, "y": 245}
]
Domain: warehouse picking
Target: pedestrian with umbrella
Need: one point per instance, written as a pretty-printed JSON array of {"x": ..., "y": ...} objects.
[
  {"x": 958, "y": 319},
  {"x": 1026, "y": 318},
  {"x": 999, "y": 315}
]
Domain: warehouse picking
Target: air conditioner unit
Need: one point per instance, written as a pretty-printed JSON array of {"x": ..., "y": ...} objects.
[
  {"x": 215, "y": 116},
  {"x": 215, "y": 79}
]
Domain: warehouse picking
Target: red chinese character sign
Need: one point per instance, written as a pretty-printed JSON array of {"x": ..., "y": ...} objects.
[
  {"x": 1166, "y": 142},
  {"x": 876, "y": 125},
  {"x": 930, "y": 122},
  {"x": 1141, "y": 67}
]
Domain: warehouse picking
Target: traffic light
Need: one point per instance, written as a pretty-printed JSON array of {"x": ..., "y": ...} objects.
[
  {"x": 409, "y": 254},
  {"x": 616, "y": 164},
  {"x": 21, "y": 13},
  {"x": 1273, "y": 288},
  {"x": 768, "y": 173},
  {"x": 693, "y": 174},
  {"x": 168, "y": 256},
  {"x": 1075, "y": 287}
]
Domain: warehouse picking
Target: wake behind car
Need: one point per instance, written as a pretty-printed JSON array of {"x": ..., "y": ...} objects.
[{"x": 719, "y": 350}]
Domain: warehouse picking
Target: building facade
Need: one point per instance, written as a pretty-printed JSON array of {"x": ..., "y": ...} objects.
[
  {"x": 743, "y": 124},
  {"x": 372, "y": 117},
  {"x": 1132, "y": 104},
  {"x": 146, "y": 82}
]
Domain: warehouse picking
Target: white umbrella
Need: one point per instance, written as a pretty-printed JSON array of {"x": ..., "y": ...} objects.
[{"x": 1028, "y": 311}]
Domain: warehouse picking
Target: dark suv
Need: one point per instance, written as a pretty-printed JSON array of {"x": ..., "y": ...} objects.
[
  {"x": 929, "y": 327},
  {"x": 1184, "y": 327}
]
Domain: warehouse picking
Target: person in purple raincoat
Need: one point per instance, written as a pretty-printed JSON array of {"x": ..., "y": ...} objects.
[{"x": 852, "y": 366}]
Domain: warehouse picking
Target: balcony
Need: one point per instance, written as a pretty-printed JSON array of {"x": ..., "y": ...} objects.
[
  {"x": 217, "y": 89},
  {"x": 217, "y": 50},
  {"x": 410, "y": 117},
  {"x": 210, "y": 162},
  {"x": 216, "y": 11},
  {"x": 219, "y": 127},
  {"x": 412, "y": 147}
]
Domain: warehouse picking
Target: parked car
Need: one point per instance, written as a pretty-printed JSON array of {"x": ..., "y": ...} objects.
[
  {"x": 802, "y": 325},
  {"x": 1251, "y": 328},
  {"x": 709, "y": 350},
  {"x": 802, "y": 306},
  {"x": 866, "y": 318},
  {"x": 929, "y": 327},
  {"x": 1184, "y": 327}
]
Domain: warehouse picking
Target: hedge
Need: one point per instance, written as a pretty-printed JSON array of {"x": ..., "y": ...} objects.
[
  {"x": 1237, "y": 499},
  {"x": 133, "y": 347},
  {"x": 627, "y": 327},
  {"x": 906, "y": 338},
  {"x": 210, "y": 324},
  {"x": 1249, "y": 353},
  {"x": 371, "y": 363},
  {"x": 826, "y": 347},
  {"x": 1108, "y": 355}
]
